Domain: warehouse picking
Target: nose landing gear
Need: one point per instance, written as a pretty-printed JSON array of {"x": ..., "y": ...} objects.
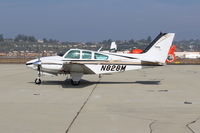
[{"x": 38, "y": 80}]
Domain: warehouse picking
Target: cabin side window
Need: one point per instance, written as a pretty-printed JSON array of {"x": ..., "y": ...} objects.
[
  {"x": 86, "y": 55},
  {"x": 100, "y": 56},
  {"x": 73, "y": 54}
]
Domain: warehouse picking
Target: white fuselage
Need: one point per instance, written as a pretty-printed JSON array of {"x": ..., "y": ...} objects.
[{"x": 113, "y": 63}]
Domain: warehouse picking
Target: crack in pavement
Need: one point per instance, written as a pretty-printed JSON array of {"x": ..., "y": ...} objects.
[
  {"x": 188, "y": 125},
  {"x": 142, "y": 118},
  {"x": 85, "y": 102},
  {"x": 150, "y": 126}
]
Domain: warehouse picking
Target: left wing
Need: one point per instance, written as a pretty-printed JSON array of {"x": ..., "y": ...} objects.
[
  {"x": 101, "y": 66},
  {"x": 74, "y": 67}
]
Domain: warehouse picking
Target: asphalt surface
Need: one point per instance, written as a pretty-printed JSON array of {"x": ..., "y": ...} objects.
[{"x": 159, "y": 100}]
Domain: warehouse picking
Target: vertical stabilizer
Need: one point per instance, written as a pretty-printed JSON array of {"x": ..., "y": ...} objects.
[
  {"x": 113, "y": 47},
  {"x": 158, "y": 50}
]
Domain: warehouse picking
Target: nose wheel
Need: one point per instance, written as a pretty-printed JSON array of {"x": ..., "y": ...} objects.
[{"x": 38, "y": 81}]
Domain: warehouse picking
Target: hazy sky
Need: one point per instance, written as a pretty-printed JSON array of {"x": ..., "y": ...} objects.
[{"x": 96, "y": 20}]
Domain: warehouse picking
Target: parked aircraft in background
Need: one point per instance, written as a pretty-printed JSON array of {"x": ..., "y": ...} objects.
[
  {"x": 113, "y": 47},
  {"x": 171, "y": 55},
  {"x": 78, "y": 62}
]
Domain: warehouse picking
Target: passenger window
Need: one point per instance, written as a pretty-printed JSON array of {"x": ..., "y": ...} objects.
[
  {"x": 73, "y": 54},
  {"x": 86, "y": 55},
  {"x": 100, "y": 56}
]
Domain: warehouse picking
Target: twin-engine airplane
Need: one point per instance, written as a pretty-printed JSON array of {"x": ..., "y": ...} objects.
[{"x": 78, "y": 62}]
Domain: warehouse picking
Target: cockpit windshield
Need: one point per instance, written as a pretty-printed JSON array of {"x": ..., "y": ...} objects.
[{"x": 73, "y": 54}]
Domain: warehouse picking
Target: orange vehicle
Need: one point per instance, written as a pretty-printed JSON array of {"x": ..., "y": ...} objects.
[{"x": 171, "y": 56}]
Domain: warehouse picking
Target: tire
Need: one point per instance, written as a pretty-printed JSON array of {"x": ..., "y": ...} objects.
[{"x": 38, "y": 81}]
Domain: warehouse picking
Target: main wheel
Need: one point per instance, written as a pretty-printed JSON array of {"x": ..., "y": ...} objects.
[
  {"x": 75, "y": 82},
  {"x": 38, "y": 81}
]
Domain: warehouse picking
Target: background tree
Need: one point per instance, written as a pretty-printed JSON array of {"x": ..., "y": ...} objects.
[
  {"x": 25, "y": 38},
  {"x": 45, "y": 40},
  {"x": 131, "y": 41},
  {"x": 31, "y": 39},
  {"x": 1, "y": 38},
  {"x": 149, "y": 39}
]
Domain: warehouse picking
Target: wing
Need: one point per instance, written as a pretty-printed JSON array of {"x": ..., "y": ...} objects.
[
  {"x": 97, "y": 66},
  {"x": 93, "y": 66},
  {"x": 75, "y": 67}
]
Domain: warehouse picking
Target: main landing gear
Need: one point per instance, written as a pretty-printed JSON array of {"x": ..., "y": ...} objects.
[
  {"x": 75, "y": 78},
  {"x": 75, "y": 82}
]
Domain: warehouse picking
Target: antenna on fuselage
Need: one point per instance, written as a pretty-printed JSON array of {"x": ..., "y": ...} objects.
[{"x": 99, "y": 49}]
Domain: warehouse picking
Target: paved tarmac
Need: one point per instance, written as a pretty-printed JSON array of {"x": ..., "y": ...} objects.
[{"x": 159, "y": 100}]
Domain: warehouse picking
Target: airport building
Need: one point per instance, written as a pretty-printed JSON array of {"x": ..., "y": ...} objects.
[{"x": 188, "y": 55}]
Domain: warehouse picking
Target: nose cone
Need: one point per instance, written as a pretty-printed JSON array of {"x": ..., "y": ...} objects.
[{"x": 33, "y": 63}]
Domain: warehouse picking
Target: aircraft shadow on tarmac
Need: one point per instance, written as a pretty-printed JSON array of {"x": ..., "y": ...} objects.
[
  {"x": 136, "y": 82},
  {"x": 85, "y": 83}
]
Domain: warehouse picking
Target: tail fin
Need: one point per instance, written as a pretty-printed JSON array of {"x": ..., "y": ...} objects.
[
  {"x": 113, "y": 47},
  {"x": 158, "y": 50}
]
